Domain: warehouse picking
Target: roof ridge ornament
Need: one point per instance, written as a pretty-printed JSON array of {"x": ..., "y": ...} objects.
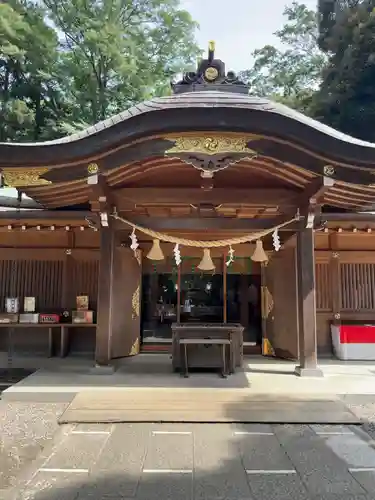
[{"x": 210, "y": 75}]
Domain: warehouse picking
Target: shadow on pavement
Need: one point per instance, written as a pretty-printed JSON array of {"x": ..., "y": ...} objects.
[{"x": 222, "y": 462}]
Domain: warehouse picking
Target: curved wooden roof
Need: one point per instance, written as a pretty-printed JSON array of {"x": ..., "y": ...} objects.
[{"x": 131, "y": 150}]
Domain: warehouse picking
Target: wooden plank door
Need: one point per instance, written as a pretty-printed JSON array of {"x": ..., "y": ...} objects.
[
  {"x": 126, "y": 303},
  {"x": 279, "y": 305}
]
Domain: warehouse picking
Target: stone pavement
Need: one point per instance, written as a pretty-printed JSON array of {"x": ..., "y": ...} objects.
[
  {"x": 60, "y": 381},
  {"x": 203, "y": 462}
]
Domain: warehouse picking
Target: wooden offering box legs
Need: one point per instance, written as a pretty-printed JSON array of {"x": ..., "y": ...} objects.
[{"x": 202, "y": 346}]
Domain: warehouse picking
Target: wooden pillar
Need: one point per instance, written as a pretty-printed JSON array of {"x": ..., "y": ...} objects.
[
  {"x": 104, "y": 313},
  {"x": 68, "y": 300},
  {"x": 244, "y": 300},
  {"x": 225, "y": 289},
  {"x": 335, "y": 277},
  {"x": 307, "y": 337},
  {"x": 178, "y": 310}
]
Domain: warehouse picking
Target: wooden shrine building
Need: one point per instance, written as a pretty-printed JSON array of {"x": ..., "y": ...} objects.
[{"x": 207, "y": 163}]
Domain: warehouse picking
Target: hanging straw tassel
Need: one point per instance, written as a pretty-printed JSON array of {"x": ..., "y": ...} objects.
[
  {"x": 259, "y": 254},
  {"x": 206, "y": 264},
  {"x": 156, "y": 253}
]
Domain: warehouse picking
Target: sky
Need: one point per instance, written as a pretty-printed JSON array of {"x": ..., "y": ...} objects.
[{"x": 238, "y": 26}]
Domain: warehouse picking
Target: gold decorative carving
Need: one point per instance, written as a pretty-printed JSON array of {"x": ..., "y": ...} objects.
[
  {"x": 138, "y": 256},
  {"x": 136, "y": 302},
  {"x": 135, "y": 348},
  {"x": 267, "y": 349},
  {"x": 329, "y": 170},
  {"x": 267, "y": 302},
  {"x": 93, "y": 168},
  {"x": 18, "y": 177},
  {"x": 210, "y": 145},
  {"x": 211, "y": 74}
]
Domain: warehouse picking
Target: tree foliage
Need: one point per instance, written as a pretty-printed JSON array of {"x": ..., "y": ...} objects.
[
  {"x": 326, "y": 66},
  {"x": 28, "y": 53},
  {"x": 66, "y": 64},
  {"x": 331, "y": 12},
  {"x": 346, "y": 98},
  {"x": 292, "y": 73}
]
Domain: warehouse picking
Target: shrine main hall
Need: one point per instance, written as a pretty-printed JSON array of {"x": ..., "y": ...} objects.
[{"x": 207, "y": 206}]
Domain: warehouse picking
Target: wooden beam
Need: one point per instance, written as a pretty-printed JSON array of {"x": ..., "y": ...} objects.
[
  {"x": 348, "y": 216},
  {"x": 101, "y": 198},
  {"x": 105, "y": 297},
  {"x": 45, "y": 214},
  {"x": 311, "y": 199},
  {"x": 314, "y": 192},
  {"x": 307, "y": 330},
  {"x": 262, "y": 197},
  {"x": 208, "y": 223}
]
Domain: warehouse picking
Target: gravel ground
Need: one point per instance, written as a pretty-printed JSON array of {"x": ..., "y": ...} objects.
[
  {"x": 364, "y": 408},
  {"x": 25, "y": 429}
]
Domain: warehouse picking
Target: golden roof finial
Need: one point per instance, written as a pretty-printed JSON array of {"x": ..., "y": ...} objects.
[{"x": 211, "y": 51}]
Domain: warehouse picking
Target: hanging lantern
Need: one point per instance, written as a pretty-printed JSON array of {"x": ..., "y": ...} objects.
[
  {"x": 156, "y": 253},
  {"x": 259, "y": 254},
  {"x": 206, "y": 264}
]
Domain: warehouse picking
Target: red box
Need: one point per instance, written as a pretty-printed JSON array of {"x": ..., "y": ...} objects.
[{"x": 49, "y": 318}]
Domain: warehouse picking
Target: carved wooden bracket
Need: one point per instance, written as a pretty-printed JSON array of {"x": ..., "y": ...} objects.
[
  {"x": 210, "y": 153},
  {"x": 18, "y": 177}
]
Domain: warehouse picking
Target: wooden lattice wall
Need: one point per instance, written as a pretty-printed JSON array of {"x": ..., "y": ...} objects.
[
  {"x": 345, "y": 282},
  {"x": 55, "y": 280}
]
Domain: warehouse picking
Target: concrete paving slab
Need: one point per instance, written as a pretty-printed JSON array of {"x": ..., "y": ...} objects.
[
  {"x": 108, "y": 486},
  {"x": 367, "y": 480},
  {"x": 347, "y": 496},
  {"x": 249, "y": 429},
  {"x": 263, "y": 453},
  {"x": 77, "y": 451},
  {"x": 92, "y": 428},
  {"x": 353, "y": 450},
  {"x": 331, "y": 429},
  {"x": 222, "y": 458},
  {"x": 277, "y": 487},
  {"x": 123, "y": 458},
  {"x": 166, "y": 486},
  {"x": 321, "y": 470},
  {"x": 218, "y": 470},
  {"x": 170, "y": 452},
  {"x": 53, "y": 486}
]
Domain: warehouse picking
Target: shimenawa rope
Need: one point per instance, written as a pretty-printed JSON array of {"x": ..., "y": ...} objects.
[{"x": 201, "y": 243}]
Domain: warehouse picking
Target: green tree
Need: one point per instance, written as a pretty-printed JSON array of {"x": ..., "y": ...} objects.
[
  {"x": 119, "y": 52},
  {"x": 66, "y": 64},
  {"x": 28, "y": 51},
  {"x": 346, "y": 98},
  {"x": 291, "y": 74},
  {"x": 331, "y": 12}
]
